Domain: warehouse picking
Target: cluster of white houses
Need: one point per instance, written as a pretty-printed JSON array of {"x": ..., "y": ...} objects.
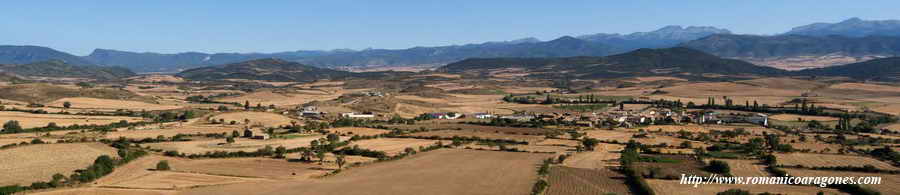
[{"x": 620, "y": 117}]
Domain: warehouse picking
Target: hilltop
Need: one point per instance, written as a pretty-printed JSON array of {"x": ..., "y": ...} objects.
[
  {"x": 61, "y": 69},
  {"x": 269, "y": 69},
  {"x": 676, "y": 61}
]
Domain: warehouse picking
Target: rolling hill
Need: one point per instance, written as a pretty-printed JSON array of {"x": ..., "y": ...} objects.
[
  {"x": 885, "y": 69},
  {"x": 676, "y": 61},
  {"x": 61, "y": 69},
  {"x": 12, "y": 54},
  {"x": 269, "y": 69}
]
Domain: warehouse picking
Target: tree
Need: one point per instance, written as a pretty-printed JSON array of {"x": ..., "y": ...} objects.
[
  {"x": 235, "y": 133},
  {"x": 280, "y": 152},
  {"x": 67, "y": 104},
  {"x": 247, "y": 105},
  {"x": 163, "y": 165},
  {"x": 321, "y": 155},
  {"x": 590, "y": 143},
  {"x": 12, "y": 126},
  {"x": 229, "y": 140},
  {"x": 340, "y": 160},
  {"x": 718, "y": 166},
  {"x": 223, "y": 108}
]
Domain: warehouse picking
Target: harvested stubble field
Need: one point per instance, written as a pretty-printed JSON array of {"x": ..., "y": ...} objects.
[
  {"x": 392, "y": 146},
  {"x": 362, "y": 131},
  {"x": 28, "y": 120},
  {"x": 575, "y": 181},
  {"x": 559, "y": 142},
  {"x": 479, "y": 128},
  {"x": 686, "y": 165},
  {"x": 287, "y": 99},
  {"x": 445, "y": 171},
  {"x": 746, "y": 168},
  {"x": 470, "y": 133},
  {"x": 169, "y": 132},
  {"x": 27, "y": 164},
  {"x": 241, "y": 144},
  {"x": 830, "y": 160},
  {"x": 794, "y": 117},
  {"x": 264, "y": 118},
  {"x": 107, "y": 191},
  {"x": 175, "y": 180},
  {"x": 108, "y": 104},
  {"x": 673, "y": 187},
  {"x": 605, "y": 155},
  {"x": 888, "y": 181},
  {"x": 604, "y": 135}
]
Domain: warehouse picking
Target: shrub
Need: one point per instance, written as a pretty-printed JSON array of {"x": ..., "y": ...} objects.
[
  {"x": 718, "y": 166},
  {"x": 163, "y": 165}
]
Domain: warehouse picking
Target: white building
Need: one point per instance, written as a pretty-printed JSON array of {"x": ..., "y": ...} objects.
[{"x": 358, "y": 115}]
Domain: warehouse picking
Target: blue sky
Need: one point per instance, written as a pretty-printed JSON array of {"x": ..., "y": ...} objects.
[{"x": 170, "y": 26}]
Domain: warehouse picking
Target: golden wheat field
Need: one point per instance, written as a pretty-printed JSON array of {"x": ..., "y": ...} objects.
[
  {"x": 241, "y": 144},
  {"x": 746, "y": 168},
  {"x": 108, "y": 104},
  {"x": 794, "y": 117},
  {"x": 362, "y": 131},
  {"x": 29, "y": 120},
  {"x": 470, "y": 133},
  {"x": 576, "y": 181},
  {"x": 830, "y": 160},
  {"x": 27, "y": 164},
  {"x": 439, "y": 172},
  {"x": 256, "y": 118},
  {"x": 106, "y": 191},
  {"x": 392, "y": 146},
  {"x": 605, "y": 155},
  {"x": 172, "y": 131}
]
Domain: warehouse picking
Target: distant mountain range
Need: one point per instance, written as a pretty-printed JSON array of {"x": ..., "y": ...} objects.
[
  {"x": 61, "y": 69},
  {"x": 853, "y": 27},
  {"x": 814, "y": 45},
  {"x": 677, "y": 61},
  {"x": 10, "y": 54},
  {"x": 269, "y": 69}
]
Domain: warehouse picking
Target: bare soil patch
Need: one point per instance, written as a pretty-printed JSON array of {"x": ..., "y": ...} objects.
[
  {"x": 27, "y": 164},
  {"x": 830, "y": 160},
  {"x": 445, "y": 171}
]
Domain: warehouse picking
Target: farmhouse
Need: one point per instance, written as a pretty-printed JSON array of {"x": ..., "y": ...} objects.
[
  {"x": 255, "y": 134},
  {"x": 358, "y": 115},
  {"x": 482, "y": 115},
  {"x": 445, "y": 115}
]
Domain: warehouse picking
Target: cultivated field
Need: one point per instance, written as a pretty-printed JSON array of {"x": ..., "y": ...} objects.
[
  {"x": 470, "y": 133},
  {"x": 28, "y": 120},
  {"x": 576, "y": 181},
  {"x": 108, "y": 104},
  {"x": 256, "y": 118},
  {"x": 392, "y": 146},
  {"x": 107, "y": 191},
  {"x": 620, "y": 136},
  {"x": 746, "y": 168},
  {"x": 445, "y": 171},
  {"x": 172, "y": 131},
  {"x": 241, "y": 144},
  {"x": 175, "y": 180},
  {"x": 603, "y": 156},
  {"x": 362, "y": 131},
  {"x": 794, "y": 117},
  {"x": 829, "y": 160},
  {"x": 27, "y": 164}
]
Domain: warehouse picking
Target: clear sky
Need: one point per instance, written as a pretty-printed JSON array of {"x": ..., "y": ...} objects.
[{"x": 171, "y": 26}]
